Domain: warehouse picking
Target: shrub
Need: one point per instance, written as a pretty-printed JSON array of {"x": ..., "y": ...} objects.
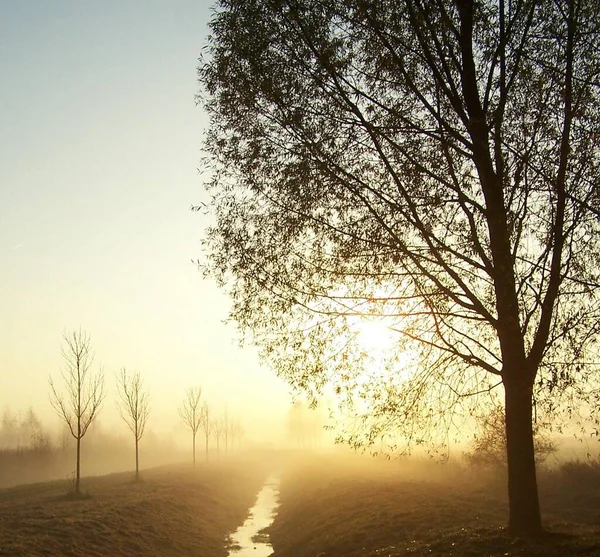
[
  {"x": 581, "y": 472},
  {"x": 489, "y": 447}
]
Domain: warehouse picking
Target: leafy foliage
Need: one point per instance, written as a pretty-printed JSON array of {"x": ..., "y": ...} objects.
[{"x": 367, "y": 162}]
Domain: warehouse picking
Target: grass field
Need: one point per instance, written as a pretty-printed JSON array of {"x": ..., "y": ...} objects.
[
  {"x": 388, "y": 509},
  {"x": 329, "y": 507},
  {"x": 173, "y": 511}
]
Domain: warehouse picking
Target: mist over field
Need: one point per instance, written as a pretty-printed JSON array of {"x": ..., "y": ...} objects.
[{"x": 299, "y": 495}]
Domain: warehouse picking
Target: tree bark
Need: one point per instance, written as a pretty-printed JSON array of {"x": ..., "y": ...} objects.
[
  {"x": 194, "y": 448},
  {"x": 524, "y": 508},
  {"x": 137, "y": 461},
  {"x": 78, "y": 467}
]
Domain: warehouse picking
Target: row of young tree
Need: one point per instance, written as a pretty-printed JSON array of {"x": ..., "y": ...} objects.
[
  {"x": 79, "y": 399},
  {"x": 81, "y": 393},
  {"x": 305, "y": 426},
  {"x": 198, "y": 416}
]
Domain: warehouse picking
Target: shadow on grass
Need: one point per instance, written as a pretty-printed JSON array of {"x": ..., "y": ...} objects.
[
  {"x": 72, "y": 496},
  {"x": 554, "y": 537}
]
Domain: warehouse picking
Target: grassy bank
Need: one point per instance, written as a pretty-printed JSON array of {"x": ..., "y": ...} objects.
[
  {"x": 173, "y": 511},
  {"x": 389, "y": 509}
]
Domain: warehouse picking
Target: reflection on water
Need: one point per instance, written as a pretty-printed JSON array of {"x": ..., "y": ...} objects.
[{"x": 247, "y": 540}]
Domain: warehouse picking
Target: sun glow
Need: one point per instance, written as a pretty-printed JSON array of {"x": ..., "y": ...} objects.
[
  {"x": 382, "y": 346},
  {"x": 375, "y": 338}
]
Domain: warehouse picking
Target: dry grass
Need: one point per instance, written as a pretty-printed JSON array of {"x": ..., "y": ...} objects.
[
  {"x": 391, "y": 510},
  {"x": 173, "y": 511}
]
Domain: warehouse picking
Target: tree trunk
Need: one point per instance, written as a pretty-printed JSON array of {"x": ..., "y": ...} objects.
[
  {"x": 78, "y": 467},
  {"x": 206, "y": 449},
  {"x": 524, "y": 508},
  {"x": 194, "y": 448},
  {"x": 137, "y": 461}
]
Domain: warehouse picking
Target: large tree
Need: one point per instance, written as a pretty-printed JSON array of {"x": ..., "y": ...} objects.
[{"x": 432, "y": 164}]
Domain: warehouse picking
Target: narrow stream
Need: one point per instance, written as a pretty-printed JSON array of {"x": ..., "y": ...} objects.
[{"x": 248, "y": 540}]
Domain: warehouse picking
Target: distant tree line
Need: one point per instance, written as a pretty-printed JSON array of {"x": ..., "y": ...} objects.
[
  {"x": 305, "y": 426},
  {"x": 32, "y": 450},
  {"x": 23, "y": 432}
]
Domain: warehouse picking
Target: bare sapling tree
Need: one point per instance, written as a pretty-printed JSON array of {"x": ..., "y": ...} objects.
[
  {"x": 134, "y": 407},
  {"x": 226, "y": 429},
  {"x": 237, "y": 432},
  {"x": 220, "y": 430},
  {"x": 207, "y": 426},
  {"x": 231, "y": 434},
  {"x": 78, "y": 405},
  {"x": 191, "y": 414}
]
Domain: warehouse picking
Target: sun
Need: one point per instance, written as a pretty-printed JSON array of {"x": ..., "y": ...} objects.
[
  {"x": 387, "y": 356},
  {"x": 374, "y": 338}
]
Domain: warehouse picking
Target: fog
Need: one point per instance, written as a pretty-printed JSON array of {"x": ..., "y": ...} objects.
[{"x": 294, "y": 492}]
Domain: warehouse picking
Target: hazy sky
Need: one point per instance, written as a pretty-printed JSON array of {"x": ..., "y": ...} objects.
[{"x": 99, "y": 146}]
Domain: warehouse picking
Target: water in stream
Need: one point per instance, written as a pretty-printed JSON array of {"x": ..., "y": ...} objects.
[{"x": 247, "y": 540}]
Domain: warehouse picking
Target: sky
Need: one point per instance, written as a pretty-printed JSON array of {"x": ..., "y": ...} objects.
[{"x": 100, "y": 141}]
